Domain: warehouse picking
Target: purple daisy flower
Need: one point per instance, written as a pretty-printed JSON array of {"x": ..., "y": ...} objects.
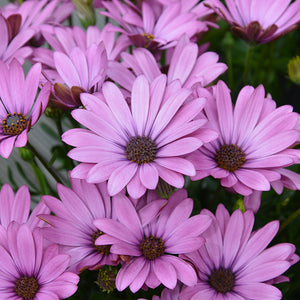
[
  {"x": 19, "y": 110},
  {"x": 148, "y": 29},
  {"x": 16, "y": 207},
  {"x": 72, "y": 225},
  {"x": 78, "y": 61},
  {"x": 64, "y": 39},
  {"x": 28, "y": 271},
  {"x": 77, "y": 72},
  {"x": 186, "y": 64},
  {"x": 134, "y": 147},
  {"x": 234, "y": 262},
  {"x": 258, "y": 21},
  {"x": 151, "y": 238},
  {"x": 36, "y": 13},
  {"x": 254, "y": 140}
]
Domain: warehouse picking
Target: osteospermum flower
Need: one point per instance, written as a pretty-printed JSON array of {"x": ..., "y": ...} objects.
[
  {"x": 234, "y": 262},
  {"x": 64, "y": 39},
  {"x": 133, "y": 147},
  {"x": 186, "y": 64},
  {"x": 36, "y": 13},
  {"x": 19, "y": 107},
  {"x": 77, "y": 61},
  {"x": 72, "y": 225},
  {"x": 151, "y": 238},
  {"x": 28, "y": 271},
  {"x": 253, "y": 143},
  {"x": 76, "y": 73},
  {"x": 147, "y": 29},
  {"x": 258, "y": 21},
  {"x": 16, "y": 207}
]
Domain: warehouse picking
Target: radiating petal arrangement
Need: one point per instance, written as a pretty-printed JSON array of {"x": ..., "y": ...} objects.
[{"x": 173, "y": 171}]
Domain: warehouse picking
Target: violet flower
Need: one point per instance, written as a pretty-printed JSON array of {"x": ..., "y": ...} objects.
[
  {"x": 19, "y": 107},
  {"x": 255, "y": 140},
  {"x": 133, "y": 146},
  {"x": 234, "y": 262},
  {"x": 258, "y": 21},
  {"x": 72, "y": 225},
  {"x": 151, "y": 238},
  {"x": 30, "y": 271}
]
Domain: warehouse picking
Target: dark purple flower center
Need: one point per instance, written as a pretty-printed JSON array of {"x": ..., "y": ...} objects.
[
  {"x": 103, "y": 249},
  {"x": 230, "y": 157},
  {"x": 14, "y": 124},
  {"x": 141, "y": 150},
  {"x": 26, "y": 287},
  {"x": 152, "y": 247},
  {"x": 222, "y": 280}
]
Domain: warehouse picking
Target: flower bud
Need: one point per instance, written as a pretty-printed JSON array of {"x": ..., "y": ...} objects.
[{"x": 294, "y": 69}]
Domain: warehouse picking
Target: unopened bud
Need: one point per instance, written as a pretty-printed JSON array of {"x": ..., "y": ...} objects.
[
  {"x": 85, "y": 11},
  {"x": 26, "y": 154},
  {"x": 164, "y": 190},
  {"x": 294, "y": 69},
  {"x": 107, "y": 278}
]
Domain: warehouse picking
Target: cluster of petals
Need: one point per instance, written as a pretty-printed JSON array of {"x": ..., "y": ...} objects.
[
  {"x": 234, "y": 262},
  {"x": 72, "y": 226},
  {"x": 147, "y": 28},
  {"x": 31, "y": 271},
  {"x": 37, "y": 13},
  {"x": 64, "y": 39},
  {"x": 19, "y": 107},
  {"x": 77, "y": 61},
  {"x": 78, "y": 72},
  {"x": 21, "y": 23},
  {"x": 12, "y": 40},
  {"x": 258, "y": 21},
  {"x": 254, "y": 144},
  {"x": 167, "y": 294},
  {"x": 186, "y": 64},
  {"x": 16, "y": 207},
  {"x": 152, "y": 238},
  {"x": 112, "y": 146}
]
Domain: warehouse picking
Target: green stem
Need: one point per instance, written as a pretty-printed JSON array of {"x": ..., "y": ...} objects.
[
  {"x": 44, "y": 163},
  {"x": 289, "y": 220},
  {"x": 230, "y": 70},
  {"x": 60, "y": 132},
  {"x": 40, "y": 177},
  {"x": 215, "y": 200},
  {"x": 247, "y": 64}
]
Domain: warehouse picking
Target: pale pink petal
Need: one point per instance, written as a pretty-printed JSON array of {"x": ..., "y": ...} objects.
[
  {"x": 120, "y": 177},
  {"x": 165, "y": 272},
  {"x": 148, "y": 175},
  {"x": 129, "y": 272}
]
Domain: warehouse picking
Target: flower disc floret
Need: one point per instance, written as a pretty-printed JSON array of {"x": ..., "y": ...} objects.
[
  {"x": 230, "y": 157},
  {"x": 152, "y": 247},
  {"x": 14, "y": 124},
  {"x": 103, "y": 249},
  {"x": 141, "y": 150},
  {"x": 222, "y": 280},
  {"x": 26, "y": 287}
]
